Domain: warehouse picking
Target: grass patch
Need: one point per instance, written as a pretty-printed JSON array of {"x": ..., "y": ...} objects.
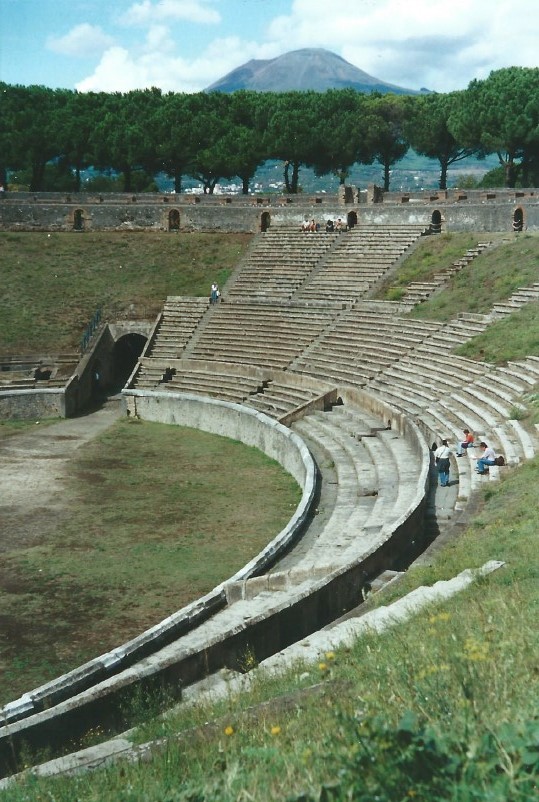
[
  {"x": 513, "y": 337},
  {"x": 53, "y": 283},
  {"x": 438, "y": 708},
  {"x": 431, "y": 255},
  {"x": 11, "y": 427},
  {"x": 491, "y": 277},
  {"x": 156, "y": 519}
]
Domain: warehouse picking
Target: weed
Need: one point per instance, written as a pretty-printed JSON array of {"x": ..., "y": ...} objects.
[
  {"x": 396, "y": 293},
  {"x": 247, "y": 660}
]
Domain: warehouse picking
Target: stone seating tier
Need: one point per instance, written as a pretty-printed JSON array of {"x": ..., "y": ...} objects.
[
  {"x": 229, "y": 333},
  {"x": 360, "y": 353},
  {"x": 199, "y": 381},
  {"x": 278, "y": 398},
  {"x": 31, "y": 384},
  {"x": 218, "y": 389},
  {"x": 526, "y": 370},
  {"x": 180, "y": 317},
  {"x": 361, "y": 331},
  {"x": 377, "y": 477},
  {"x": 305, "y": 262},
  {"x": 458, "y": 369},
  {"x": 327, "y": 369},
  {"x": 261, "y": 358}
]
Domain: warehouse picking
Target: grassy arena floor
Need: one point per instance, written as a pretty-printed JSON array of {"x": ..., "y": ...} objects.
[{"x": 156, "y": 519}]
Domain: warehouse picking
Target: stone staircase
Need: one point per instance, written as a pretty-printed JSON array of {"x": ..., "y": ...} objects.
[
  {"x": 263, "y": 334},
  {"x": 357, "y": 264},
  {"x": 419, "y": 291},
  {"x": 278, "y": 263},
  {"x": 520, "y": 298},
  {"x": 175, "y": 326}
]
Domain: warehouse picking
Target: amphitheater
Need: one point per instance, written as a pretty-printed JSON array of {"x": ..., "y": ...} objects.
[{"x": 346, "y": 392}]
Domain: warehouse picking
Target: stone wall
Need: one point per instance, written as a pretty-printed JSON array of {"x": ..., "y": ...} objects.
[
  {"x": 460, "y": 211},
  {"x": 33, "y": 404}
]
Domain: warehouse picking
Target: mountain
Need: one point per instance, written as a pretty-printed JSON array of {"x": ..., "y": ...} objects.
[{"x": 301, "y": 70}]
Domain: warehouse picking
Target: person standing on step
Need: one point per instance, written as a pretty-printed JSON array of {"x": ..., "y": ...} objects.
[
  {"x": 214, "y": 293},
  {"x": 488, "y": 457},
  {"x": 441, "y": 456},
  {"x": 466, "y": 443}
]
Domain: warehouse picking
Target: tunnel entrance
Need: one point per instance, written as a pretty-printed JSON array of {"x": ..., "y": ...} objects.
[
  {"x": 124, "y": 358},
  {"x": 436, "y": 222}
]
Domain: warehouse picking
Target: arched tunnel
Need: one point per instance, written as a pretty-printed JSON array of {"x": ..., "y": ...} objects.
[{"x": 126, "y": 352}]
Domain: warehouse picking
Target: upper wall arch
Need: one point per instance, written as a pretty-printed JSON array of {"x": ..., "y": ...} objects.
[
  {"x": 265, "y": 221},
  {"x": 436, "y": 222},
  {"x": 518, "y": 219}
]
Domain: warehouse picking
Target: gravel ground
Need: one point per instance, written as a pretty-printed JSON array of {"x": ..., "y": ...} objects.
[{"x": 33, "y": 467}]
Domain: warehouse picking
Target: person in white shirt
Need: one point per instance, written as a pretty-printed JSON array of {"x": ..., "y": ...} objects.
[
  {"x": 488, "y": 457},
  {"x": 441, "y": 456}
]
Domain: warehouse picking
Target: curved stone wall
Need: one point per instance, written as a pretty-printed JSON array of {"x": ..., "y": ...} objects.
[{"x": 218, "y": 417}]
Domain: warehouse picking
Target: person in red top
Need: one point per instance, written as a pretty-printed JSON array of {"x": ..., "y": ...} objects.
[{"x": 466, "y": 443}]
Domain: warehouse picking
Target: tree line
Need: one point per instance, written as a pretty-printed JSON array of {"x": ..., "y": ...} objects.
[{"x": 214, "y": 136}]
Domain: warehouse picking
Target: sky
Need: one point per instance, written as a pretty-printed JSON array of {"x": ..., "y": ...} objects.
[{"x": 186, "y": 45}]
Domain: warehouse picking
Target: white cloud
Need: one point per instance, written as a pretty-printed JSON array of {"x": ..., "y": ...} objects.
[
  {"x": 156, "y": 63},
  {"x": 82, "y": 40},
  {"x": 430, "y": 43},
  {"x": 145, "y": 12}
]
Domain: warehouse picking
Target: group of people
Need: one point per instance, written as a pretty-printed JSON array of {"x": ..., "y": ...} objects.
[
  {"x": 310, "y": 225},
  {"x": 331, "y": 225},
  {"x": 335, "y": 225},
  {"x": 442, "y": 456}
]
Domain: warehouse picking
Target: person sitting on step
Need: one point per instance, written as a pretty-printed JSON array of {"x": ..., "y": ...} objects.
[
  {"x": 466, "y": 443},
  {"x": 487, "y": 458}
]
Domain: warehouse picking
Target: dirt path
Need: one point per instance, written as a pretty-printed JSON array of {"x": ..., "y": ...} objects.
[{"x": 33, "y": 469}]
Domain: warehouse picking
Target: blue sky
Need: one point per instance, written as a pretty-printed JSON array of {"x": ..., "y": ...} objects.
[{"x": 185, "y": 45}]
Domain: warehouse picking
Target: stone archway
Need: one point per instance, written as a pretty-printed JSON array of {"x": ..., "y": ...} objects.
[
  {"x": 351, "y": 219},
  {"x": 173, "y": 220},
  {"x": 518, "y": 219},
  {"x": 126, "y": 352},
  {"x": 436, "y": 222},
  {"x": 265, "y": 221},
  {"x": 78, "y": 220}
]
